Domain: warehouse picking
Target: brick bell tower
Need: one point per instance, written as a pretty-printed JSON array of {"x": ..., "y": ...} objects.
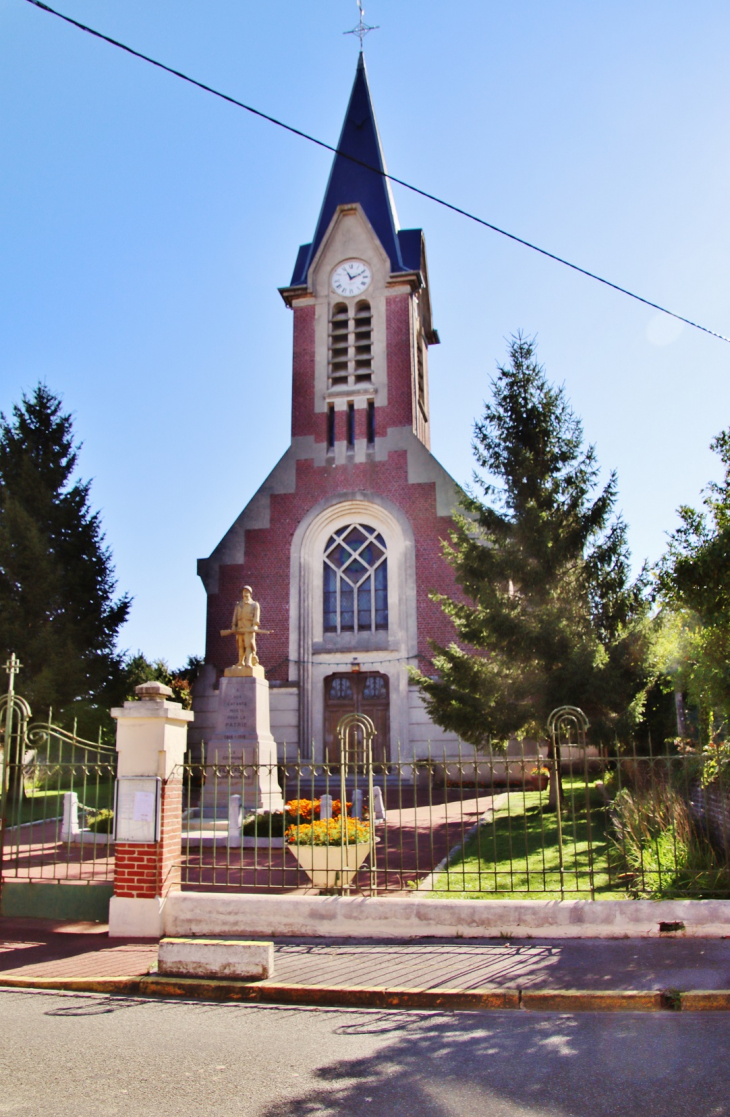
[
  {"x": 342, "y": 542},
  {"x": 361, "y": 305}
]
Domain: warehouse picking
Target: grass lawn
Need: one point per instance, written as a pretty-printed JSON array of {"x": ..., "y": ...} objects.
[
  {"x": 515, "y": 855},
  {"x": 41, "y": 803}
]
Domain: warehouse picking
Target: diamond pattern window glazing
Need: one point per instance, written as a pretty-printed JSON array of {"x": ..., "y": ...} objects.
[{"x": 355, "y": 581}]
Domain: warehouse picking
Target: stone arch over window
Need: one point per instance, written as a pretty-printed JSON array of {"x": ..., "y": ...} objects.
[
  {"x": 315, "y": 653},
  {"x": 355, "y": 581}
]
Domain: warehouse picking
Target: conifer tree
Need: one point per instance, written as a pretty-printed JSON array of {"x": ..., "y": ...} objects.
[
  {"x": 57, "y": 606},
  {"x": 694, "y": 587},
  {"x": 549, "y": 614}
]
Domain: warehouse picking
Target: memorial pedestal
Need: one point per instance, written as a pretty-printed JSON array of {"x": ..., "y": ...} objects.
[{"x": 240, "y": 757}]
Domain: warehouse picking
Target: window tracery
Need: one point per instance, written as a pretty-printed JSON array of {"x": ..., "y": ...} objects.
[{"x": 355, "y": 581}]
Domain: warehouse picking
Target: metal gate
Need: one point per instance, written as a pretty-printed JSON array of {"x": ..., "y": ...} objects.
[{"x": 56, "y": 816}]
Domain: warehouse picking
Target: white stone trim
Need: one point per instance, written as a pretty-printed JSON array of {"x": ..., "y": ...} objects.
[
  {"x": 135, "y": 918},
  {"x": 208, "y": 913},
  {"x": 350, "y": 235},
  {"x": 305, "y": 609},
  {"x": 422, "y": 469}
]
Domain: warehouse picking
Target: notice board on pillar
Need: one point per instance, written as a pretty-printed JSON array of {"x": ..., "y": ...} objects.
[{"x": 137, "y": 806}]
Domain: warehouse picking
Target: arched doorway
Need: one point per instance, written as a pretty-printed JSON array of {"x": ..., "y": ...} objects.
[{"x": 365, "y": 692}]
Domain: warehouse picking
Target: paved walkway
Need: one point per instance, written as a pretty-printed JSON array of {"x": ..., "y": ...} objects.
[
  {"x": 417, "y": 836},
  {"x": 415, "y": 839},
  {"x": 42, "y": 949}
]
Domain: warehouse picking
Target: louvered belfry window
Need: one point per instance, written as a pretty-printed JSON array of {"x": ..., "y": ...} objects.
[
  {"x": 355, "y": 581},
  {"x": 351, "y": 345},
  {"x": 363, "y": 338}
]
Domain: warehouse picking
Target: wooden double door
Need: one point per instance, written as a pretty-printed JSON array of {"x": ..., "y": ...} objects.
[{"x": 365, "y": 692}]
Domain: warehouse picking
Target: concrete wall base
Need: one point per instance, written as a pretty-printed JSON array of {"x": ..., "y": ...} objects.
[
  {"x": 209, "y": 913},
  {"x": 133, "y": 918}
]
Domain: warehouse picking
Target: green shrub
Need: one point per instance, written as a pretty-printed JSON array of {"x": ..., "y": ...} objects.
[
  {"x": 102, "y": 822},
  {"x": 662, "y": 852},
  {"x": 267, "y": 825}
]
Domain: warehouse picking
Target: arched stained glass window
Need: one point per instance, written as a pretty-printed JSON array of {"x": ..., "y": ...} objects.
[{"x": 355, "y": 581}]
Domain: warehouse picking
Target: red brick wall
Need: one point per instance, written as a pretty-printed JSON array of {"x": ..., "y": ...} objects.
[
  {"x": 303, "y": 414},
  {"x": 268, "y": 550},
  {"x": 399, "y": 412}
]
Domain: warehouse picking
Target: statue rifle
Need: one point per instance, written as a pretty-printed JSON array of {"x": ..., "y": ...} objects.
[{"x": 255, "y": 632}]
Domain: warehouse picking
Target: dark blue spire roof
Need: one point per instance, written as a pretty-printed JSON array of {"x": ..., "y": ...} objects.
[{"x": 350, "y": 182}]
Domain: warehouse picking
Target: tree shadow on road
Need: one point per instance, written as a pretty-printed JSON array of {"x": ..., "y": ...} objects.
[{"x": 519, "y": 1063}]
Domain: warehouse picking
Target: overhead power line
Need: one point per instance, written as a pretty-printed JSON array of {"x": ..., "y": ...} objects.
[{"x": 376, "y": 170}]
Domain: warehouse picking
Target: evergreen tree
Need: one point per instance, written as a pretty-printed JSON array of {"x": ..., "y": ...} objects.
[
  {"x": 549, "y": 615},
  {"x": 694, "y": 586},
  {"x": 57, "y": 606}
]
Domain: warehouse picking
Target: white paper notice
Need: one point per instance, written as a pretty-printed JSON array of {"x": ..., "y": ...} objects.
[
  {"x": 144, "y": 806},
  {"x": 137, "y": 804}
]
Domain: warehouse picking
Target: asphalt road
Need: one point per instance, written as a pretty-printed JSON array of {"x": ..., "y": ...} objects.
[{"x": 80, "y": 1055}]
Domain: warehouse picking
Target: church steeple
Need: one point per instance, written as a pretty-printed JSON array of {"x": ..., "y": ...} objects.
[
  {"x": 353, "y": 182},
  {"x": 362, "y": 309}
]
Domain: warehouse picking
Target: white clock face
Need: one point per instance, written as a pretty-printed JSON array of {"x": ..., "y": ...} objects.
[{"x": 351, "y": 278}]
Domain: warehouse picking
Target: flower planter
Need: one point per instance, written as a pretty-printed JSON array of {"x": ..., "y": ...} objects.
[{"x": 330, "y": 866}]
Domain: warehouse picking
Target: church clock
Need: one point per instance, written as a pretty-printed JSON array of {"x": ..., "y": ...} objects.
[{"x": 351, "y": 278}]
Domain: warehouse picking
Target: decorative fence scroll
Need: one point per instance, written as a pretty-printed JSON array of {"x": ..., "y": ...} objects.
[{"x": 57, "y": 798}]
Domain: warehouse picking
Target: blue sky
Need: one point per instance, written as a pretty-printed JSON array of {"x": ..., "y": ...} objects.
[{"x": 146, "y": 227}]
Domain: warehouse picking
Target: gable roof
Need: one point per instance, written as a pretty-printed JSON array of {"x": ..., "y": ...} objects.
[{"x": 351, "y": 180}]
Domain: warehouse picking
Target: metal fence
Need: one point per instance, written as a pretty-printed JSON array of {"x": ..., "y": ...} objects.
[
  {"x": 57, "y": 803},
  {"x": 477, "y": 826},
  {"x": 560, "y": 819}
]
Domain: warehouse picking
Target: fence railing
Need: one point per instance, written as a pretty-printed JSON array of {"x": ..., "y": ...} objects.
[
  {"x": 57, "y": 806},
  {"x": 475, "y": 826}
]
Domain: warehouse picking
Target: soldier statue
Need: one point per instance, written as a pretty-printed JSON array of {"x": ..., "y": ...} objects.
[{"x": 244, "y": 626}]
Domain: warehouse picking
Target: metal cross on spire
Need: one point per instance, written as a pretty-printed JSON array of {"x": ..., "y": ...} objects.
[{"x": 362, "y": 28}]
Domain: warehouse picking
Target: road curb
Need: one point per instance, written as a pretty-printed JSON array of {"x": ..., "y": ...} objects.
[
  {"x": 586, "y": 1000},
  {"x": 336, "y": 996}
]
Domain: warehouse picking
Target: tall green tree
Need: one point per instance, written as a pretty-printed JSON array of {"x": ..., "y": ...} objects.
[
  {"x": 694, "y": 586},
  {"x": 549, "y": 614},
  {"x": 58, "y": 609}
]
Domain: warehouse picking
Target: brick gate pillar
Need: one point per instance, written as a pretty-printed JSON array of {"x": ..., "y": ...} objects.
[{"x": 151, "y": 743}]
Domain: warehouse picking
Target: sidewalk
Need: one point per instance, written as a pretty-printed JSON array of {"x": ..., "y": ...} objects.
[
  {"x": 42, "y": 948},
  {"x": 582, "y": 973}
]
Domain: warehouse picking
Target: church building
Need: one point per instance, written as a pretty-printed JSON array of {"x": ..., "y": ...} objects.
[{"x": 342, "y": 542}]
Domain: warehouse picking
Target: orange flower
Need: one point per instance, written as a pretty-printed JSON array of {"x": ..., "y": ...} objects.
[
  {"x": 307, "y": 810},
  {"x": 302, "y": 809}
]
